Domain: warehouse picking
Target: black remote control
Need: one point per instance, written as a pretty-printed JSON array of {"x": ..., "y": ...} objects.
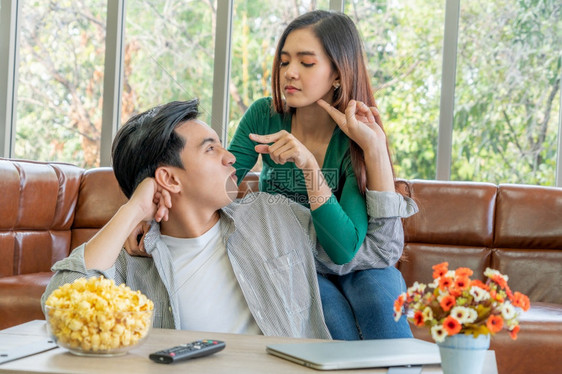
[{"x": 198, "y": 348}]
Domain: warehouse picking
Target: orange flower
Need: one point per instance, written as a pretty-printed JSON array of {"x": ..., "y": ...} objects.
[
  {"x": 398, "y": 303},
  {"x": 499, "y": 297},
  {"x": 455, "y": 292},
  {"x": 418, "y": 318},
  {"x": 462, "y": 282},
  {"x": 445, "y": 282},
  {"x": 451, "y": 325},
  {"x": 447, "y": 302},
  {"x": 499, "y": 280},
  {"x": 494, "y": 323},
  {"x": 513, "y": 332},
  {"x": 440, "y": 269},
  {"x": 478, "y": 283},
  {"x": 463, "y": 272},
  {"x": 521, "y": 301},
  {"x": 508, "y": 293}
]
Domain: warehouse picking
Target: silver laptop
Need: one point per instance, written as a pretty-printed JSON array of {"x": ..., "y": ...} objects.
[{"x": 333, "y": 355}]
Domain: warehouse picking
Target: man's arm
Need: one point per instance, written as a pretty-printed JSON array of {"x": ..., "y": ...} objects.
[{"x": 102, "y": 250}]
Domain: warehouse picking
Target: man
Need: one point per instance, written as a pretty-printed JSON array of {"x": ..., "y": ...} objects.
[{"x": 243, "y": 267}]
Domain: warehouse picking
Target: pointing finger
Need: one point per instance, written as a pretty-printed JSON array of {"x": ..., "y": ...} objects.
[
  {"x": 262, "y": 148},
  {"x": 265, "y": 138},
  {"x": 336, "y": 115}
]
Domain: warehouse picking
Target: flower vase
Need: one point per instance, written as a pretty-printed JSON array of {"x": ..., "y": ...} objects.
[{"x": 463, "y": 354}]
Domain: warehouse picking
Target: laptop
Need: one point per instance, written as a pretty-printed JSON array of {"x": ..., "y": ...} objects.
[{"x": 334, "y": 355}]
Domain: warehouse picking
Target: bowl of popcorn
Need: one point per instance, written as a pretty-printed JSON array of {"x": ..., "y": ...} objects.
[{"x": 95, "y": 317}]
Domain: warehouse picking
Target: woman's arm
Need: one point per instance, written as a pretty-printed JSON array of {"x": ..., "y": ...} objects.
[
  {"x": 341, "y": 225},
  {"x": 384, "y": 243}
]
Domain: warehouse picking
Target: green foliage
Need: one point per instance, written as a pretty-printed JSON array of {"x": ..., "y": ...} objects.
[
  {"x": 60, "y": 84},
  {"x": 403, "y": 42},
  {"x": 507, "y": 92}
]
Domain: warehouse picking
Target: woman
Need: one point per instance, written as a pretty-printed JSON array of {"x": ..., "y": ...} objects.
[{"x": 325, "y": 159}]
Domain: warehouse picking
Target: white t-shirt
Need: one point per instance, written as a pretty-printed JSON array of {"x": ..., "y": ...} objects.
[{"x": 210, "y": 298}]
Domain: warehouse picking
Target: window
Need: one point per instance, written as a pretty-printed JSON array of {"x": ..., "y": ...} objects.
[
  {"x": 60, "y": 81},
  {"x": 403, "y": 43},
  {"x": 257, "y": 26},
  {"x": 507, "y": 92},
  {"x": 169, "y": 50}
]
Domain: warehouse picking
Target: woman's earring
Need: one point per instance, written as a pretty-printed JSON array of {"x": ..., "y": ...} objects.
[{"x": 336, "y": 86}]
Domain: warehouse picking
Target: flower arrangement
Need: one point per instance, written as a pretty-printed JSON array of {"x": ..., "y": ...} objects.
[{"x": 455, "y": 304}]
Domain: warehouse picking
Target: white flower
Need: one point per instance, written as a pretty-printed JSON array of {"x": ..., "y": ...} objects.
[
  {"x": 450, "y": 274},
  {"x": 489, "y": 272},
  {"x": 462, "y": 314},
  {"x": 434, "y": 284},
  {"x": 427, "y": 314},
  {"x": 397, "y": 315},
  {"x": 508, "y": 311},
  {"x": 511, "y": 323},
  {"x": 416, "y": 287},
  {"x": 479, "y": 294},
  {"x": 438, "y": 333},
  {"x": 472, "y": 315}
]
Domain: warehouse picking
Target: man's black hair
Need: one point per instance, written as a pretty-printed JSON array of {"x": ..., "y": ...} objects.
[{"x": 148, "y": 140}]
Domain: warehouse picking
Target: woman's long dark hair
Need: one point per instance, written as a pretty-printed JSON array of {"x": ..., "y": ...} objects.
[{"x": 341, "y": 41}]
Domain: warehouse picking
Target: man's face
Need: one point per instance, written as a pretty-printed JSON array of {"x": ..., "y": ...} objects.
[{"x": 209, "y": 178}]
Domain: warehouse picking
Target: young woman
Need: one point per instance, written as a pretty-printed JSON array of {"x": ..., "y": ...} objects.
[{"x": 323, "y": 145}]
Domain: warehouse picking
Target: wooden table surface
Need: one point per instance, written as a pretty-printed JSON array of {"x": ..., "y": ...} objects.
[{"x": 243, "y": 354}]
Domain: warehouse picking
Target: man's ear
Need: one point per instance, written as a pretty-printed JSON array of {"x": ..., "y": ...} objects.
[{"x": 167, "y": 179}]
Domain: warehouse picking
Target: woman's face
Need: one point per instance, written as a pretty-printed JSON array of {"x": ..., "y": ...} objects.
[{"x": 306, "y": 73}]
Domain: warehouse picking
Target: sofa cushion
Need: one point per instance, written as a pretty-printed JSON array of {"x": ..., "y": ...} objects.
[
  {"x": 528, "y": 239},
  {"x": 38, "y": 202},
  {"x": 20, "y": 298},
  {"x": 94, "y": 208}
]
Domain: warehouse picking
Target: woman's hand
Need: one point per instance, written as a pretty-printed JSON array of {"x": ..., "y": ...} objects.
[
  {"x": 154, "y": 203},
  {"x": 285, "y": 148},
  {"x": 360, "y": 123},
  {"x": 363, "y": 125}
]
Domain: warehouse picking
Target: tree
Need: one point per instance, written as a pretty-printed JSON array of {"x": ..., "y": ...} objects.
[{"x": 60, "y": 81}]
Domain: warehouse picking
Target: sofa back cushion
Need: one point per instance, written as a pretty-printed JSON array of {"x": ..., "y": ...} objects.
[
  {"x": 455, "y": 223},
  {"x": 528, "y": 240},
  {"x": 37, "y": 201},
  {"x": 99, "y": 199}
]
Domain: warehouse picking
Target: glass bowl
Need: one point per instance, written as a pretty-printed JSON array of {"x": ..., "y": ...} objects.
[{"x": 98, "y": 333}]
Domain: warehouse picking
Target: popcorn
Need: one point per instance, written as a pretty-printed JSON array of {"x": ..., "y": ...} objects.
[{"x": 95, "y": 315}]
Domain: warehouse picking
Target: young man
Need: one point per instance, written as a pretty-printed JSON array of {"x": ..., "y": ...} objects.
[{"x": 243, "y": 267}]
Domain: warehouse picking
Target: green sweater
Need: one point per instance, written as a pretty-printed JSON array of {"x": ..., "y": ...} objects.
[{"x": 341, "y": 222}]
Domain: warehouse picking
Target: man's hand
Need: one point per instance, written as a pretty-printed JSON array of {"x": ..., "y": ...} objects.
[
  {"x": 134, "y": 245},
  {"x": 155, "y": 203},
  {"x": 152, "y": 200}
]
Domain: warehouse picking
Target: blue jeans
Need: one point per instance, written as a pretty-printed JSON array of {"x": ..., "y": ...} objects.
[{"x": 360, "y": 305}]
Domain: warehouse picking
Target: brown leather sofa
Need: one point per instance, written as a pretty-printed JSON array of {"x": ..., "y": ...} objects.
[{"x": 47, "y": 209}]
